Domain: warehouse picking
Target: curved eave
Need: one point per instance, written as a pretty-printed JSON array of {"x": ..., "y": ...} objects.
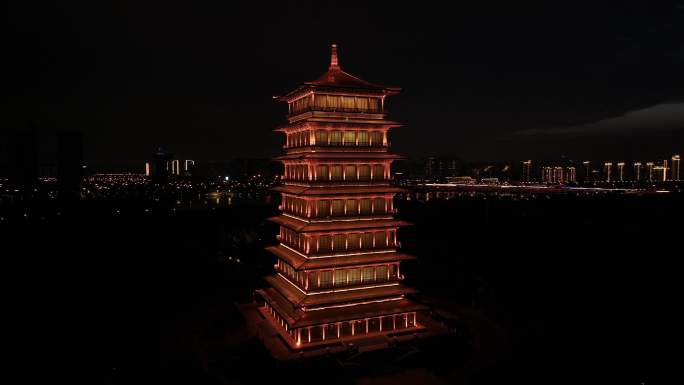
[
  {"x": 325, "y": 191},
  {"x": 298, "y": 318},
  {"x": 298, "y": 298},
  {"x": 305, "y": 227},
  {"x": 299, "y": 262},
  {"x": 312, "y": 86},
  {"x": 325, "y": 123},
  {"x": 355, "y": 155}
]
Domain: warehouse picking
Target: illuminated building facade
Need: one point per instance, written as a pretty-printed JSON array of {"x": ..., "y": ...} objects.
[
  {"x": 621, "y": 171},
  {"x": 649, "y": 169},
  {"x": 663, "y": 171},
  {"x": 637, "y": 171},
  {"x": 527, "y": 169},
  {"x": 558, "y": 174},
  {"x": 607, "y": 170},
  {"x": 587, "y": 170},
  {"x": 338, "y": 275},
  {"x": 675, "y": 167}
]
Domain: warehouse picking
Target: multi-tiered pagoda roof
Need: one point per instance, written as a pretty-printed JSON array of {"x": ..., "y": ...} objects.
[{"x": 338, "y": 276}]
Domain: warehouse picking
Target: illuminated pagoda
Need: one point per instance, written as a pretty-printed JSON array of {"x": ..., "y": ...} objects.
[{"x": 338, "y": 276}]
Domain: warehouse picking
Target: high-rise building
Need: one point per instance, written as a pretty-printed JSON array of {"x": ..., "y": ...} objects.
[
  {"x": 621, "y": 171},
  {"x": 160, "y": 166},
  {"x": 675, "y": 167},
  {"x": 637, "y": 171},
  {"x": 527, "y": 171},
  {"x": 338, "y": 274},
  {"x": 587, "y": 170},
  {"x": 571, "y": 175},
  {"x": 441, "y": 166},
  {"x": 663, "y": 170},
  {"x": 607, "y": 170},
  {"x": 188, "y": 165},
  {"x": 174, "y": 165},
  {"x": 558, "y": 175},
  {"x": 595, "y": 175},
  {"x": 649, "y": 170}
]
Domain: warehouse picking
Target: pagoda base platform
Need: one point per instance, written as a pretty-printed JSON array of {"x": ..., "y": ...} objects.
[{"x": 281, "y": 347}]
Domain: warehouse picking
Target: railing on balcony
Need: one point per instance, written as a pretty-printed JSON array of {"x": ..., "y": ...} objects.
[{"x": 336, "y": 109}]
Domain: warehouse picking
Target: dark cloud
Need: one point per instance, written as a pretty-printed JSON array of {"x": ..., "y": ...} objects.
[{"x": 656, "y": 118}]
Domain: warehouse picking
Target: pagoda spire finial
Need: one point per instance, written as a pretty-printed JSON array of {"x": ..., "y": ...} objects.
[{"x": 334, "y": 64}]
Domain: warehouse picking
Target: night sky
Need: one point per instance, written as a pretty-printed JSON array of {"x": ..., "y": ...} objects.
[{"x": 481, "y": 80}]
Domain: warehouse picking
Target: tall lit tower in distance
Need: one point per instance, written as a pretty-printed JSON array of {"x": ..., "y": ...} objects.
[
  {"x": 587, "y": 170},
  {"x": 527, "y": 169},
  {"x": 607, "y": 166},
  {"x": 637, "y": 171},
  {"x": 649, "y": 169},
  {"x": 571, "y": 175},
  {"x": 558, "y": 175},
  {"x": 663, "y": 169},
  {"x": 675, "y": 167},
  {"x": 621, "y": 171}
]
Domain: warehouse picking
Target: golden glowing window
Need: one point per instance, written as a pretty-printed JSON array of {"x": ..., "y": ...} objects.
[
  {"x": 349, "y": 138},
  {"x": 339, "y": 242},
  {"x": 350, "y": 172},
  {"x": 354, "y": 241},
  {"x": 348, "y": 102},
  {"x": 337, "y": 207},
  {"x": 363, "y": 138},
  {"x": 368, "y": 274},
  {"x": 393, "y": 272},
  {"x": 374, "y": 104},
  {"x": 323, "y": 208},
  {"x": 354, "y": 276},
  {"x": 322, "y": 172},
  {"x": 381, "y": 272},
  {"x": 367, "y": 241},
  {"x": 378, "y": 172},
  {"x": 379, "y": 206},
  {"x": 336, "y": 138},
  {"x": 366, "y": 206},
  {"x": 376, "y": 138},
  {"x": 324, "y": 243},
  {"x": 326, "y": 278},
  {"x": 352, "y": 207},
  {"x": 340, "y": 277},
  {"x": 364, "y": 172},
  {"x": 321, "y": 137},
  {"x": 300, "y": 104},
  {"x": 380, "y": 239},
  {"x": 336, "y": 172},
  {"x": 333, "y": 101}
]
